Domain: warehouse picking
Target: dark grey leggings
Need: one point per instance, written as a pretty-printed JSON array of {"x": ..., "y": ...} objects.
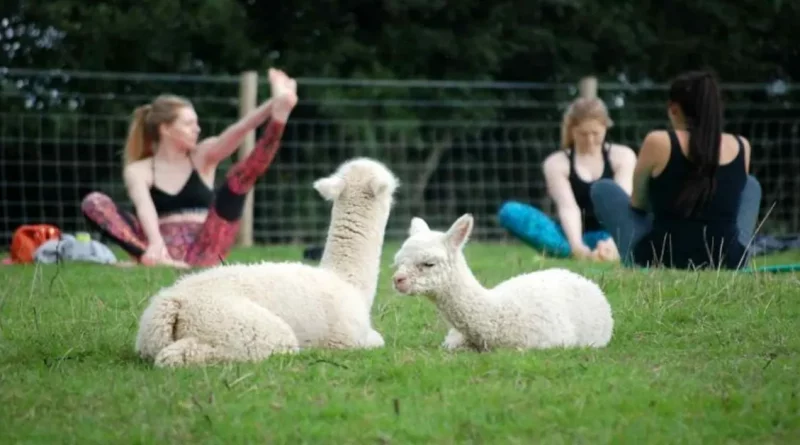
[{"x": 627, "y": 226}]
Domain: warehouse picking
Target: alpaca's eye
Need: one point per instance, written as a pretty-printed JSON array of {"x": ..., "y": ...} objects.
[{"x": 428, "y": 264}]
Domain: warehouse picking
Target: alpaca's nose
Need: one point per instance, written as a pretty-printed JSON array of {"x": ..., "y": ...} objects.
[{"x": 399, "y": 280}]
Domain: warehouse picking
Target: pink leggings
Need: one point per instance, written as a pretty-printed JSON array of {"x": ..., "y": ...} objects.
[{"x": 197, "y": 244}]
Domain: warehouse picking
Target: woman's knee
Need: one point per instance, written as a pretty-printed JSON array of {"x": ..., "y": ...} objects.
[
  {"x": 601, "y": 189},
  {"x": 93, "y": 201},
  {"x": 752, "y": 187}
]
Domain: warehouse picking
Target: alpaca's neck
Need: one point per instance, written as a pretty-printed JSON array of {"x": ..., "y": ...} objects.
[
  {"x": 354, "y": 245},
  {"x": 466, "y": 303}
]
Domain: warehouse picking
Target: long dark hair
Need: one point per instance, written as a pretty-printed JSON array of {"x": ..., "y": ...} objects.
[{"x": 697, "y": 94}]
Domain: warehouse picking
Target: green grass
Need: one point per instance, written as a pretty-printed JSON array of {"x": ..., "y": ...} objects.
[{"x": 705, "y": 358}]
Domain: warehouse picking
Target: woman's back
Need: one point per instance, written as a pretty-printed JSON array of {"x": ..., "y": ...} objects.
[{"x": 708, "y": 236}]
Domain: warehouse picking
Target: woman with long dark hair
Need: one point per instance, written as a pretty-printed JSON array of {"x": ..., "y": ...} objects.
[{"x": 694, "y": 204}]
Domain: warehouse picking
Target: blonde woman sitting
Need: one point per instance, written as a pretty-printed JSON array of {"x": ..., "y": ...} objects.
[{"x": 585, "y": 157}]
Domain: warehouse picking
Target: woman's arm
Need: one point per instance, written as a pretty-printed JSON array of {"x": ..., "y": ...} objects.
[
  {"x": 650, "y": 155},
  {"x": 623, "y": 159},
  {"x": 138, "y": 192},
  {"x": 556, "y": 174},
  {"x": 213, "y": 150},
  {"x": 747, "y": 151}
]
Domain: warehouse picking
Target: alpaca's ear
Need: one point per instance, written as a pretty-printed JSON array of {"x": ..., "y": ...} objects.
[
  {"x": 458, "y": 234},
  {"x": 329, "y": 187},
  {"x": 380, "y": 186},
  {"x": 418, "y": 225}
]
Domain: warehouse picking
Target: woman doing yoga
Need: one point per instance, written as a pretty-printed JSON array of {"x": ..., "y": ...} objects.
[
  {"x": 180, "y": 219},
  {"x": 693, "y": 203},
  {"x": 585, "y": 157}
]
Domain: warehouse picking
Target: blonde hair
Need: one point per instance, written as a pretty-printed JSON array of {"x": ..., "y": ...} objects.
[
  {"x": 579, "y": 110},
  {"x": 143, "y": 129}
]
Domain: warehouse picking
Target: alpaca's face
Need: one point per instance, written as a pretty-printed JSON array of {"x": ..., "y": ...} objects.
[
  {"x": 421, "y": 265},
  {"x": 424, "y": 265}
]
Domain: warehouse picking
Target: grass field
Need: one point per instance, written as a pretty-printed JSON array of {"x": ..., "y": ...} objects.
[{"x": 705, "y": 358}]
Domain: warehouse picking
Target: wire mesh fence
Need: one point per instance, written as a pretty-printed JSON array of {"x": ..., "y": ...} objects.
[{"x": 457, "y": 147}]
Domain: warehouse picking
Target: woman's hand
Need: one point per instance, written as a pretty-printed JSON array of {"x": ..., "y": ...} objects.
[
  {"x": 155, "y": 254},
  {"x": 158, "y": 254},
  {"x": 582, "y": 252}
]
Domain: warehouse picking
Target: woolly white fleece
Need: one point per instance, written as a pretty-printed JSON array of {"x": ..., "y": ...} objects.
[
  {"x": 544, "y": 309},
  {"x": 246, "y": 312}
]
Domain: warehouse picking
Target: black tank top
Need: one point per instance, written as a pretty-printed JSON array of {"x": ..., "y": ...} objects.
[
  {"x": 580, "y": 189},
  {"x": 195, "y": 195},
  {"x": 710, "y": 238}
]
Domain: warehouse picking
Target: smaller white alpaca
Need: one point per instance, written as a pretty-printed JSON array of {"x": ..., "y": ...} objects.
[
  {"x": 247, "y": 312},
  {"x": 537, "y": 310}
]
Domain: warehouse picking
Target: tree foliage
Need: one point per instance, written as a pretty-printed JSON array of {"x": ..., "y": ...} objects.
[{"x": 541, "y": 40}]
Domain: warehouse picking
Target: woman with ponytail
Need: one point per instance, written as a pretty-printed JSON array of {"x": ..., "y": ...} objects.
[
  {"x": 694, "y": 204},
  {"x": 180, "y": 220}
]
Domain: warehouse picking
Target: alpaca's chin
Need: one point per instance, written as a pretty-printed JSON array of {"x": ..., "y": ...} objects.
[{"x": 402, "y": 289}]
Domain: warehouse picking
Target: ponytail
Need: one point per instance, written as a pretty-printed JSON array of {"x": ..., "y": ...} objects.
[
  {"x": 139, "y": 144},
  {"x": 699, "y": 98}
]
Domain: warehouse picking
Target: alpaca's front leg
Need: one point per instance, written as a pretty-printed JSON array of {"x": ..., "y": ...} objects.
[
  {"x": 366, "y": 339},
  {"x": 352, "y": 328},
  {"x": 374, "y": 339},
  {"x": 454, "y": 340}
]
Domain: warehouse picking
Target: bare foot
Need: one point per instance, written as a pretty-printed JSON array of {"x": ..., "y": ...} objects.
[
  {"x": 284, "y": 94},
  {"x": 164, "y": 261},
  {"x": 606, "y": 251},
  {"x": 175, "y": 263}
]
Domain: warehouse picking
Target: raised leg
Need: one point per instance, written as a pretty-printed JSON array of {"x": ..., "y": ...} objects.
[
  {"x": 215, "y": 239},
  {"x": 535, "y": 228}
]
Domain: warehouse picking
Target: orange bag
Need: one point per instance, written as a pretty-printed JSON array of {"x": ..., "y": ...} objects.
[{"x": 28, "y": 238}]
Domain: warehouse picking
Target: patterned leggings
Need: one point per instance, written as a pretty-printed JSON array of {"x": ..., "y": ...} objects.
[{"x": 197, "y": 244}]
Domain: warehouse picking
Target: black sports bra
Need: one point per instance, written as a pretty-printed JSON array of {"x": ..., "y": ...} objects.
[
  {"x": 580, "y": 189},
  {"x": 194, "y": 195}
]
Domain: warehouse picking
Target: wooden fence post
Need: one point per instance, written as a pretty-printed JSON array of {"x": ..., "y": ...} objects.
[
  {"x": 248, "y": 98},
  {"x": 588, "y": 87}
]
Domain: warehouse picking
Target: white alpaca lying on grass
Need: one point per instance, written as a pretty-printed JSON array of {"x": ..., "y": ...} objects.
[
  {"x": 246, "y": 312},
  {"x": 544, "y": 309}
]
